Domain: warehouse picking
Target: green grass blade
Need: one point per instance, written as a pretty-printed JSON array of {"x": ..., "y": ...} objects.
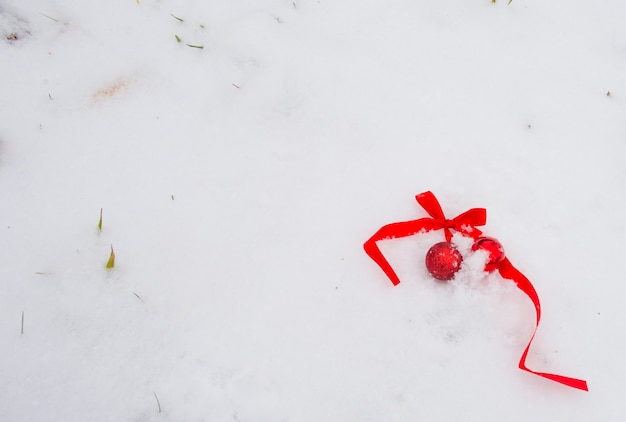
[
  {"x": 177, "y": 18},
  {"x": 111, "y": 261}
]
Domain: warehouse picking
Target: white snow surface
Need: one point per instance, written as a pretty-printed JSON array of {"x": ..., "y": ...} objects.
[{"x": 239, "y": 181}]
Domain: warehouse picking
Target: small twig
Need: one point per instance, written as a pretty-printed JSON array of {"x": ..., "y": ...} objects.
[
  {"x": 22, "y": 322},
  {"x": 157, "y": 400},
  {"x": 236, "y": 86},
  {"x": 138, "y": 297}
]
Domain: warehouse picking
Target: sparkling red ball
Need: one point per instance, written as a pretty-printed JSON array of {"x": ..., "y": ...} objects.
[
  {"x": 443, "y": 260},
  {"x": 495, "y": 250}
]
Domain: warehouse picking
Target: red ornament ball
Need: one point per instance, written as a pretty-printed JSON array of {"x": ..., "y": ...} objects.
[
  {"x": 495, "y": 249},
  {"x": 443, "y": 260}
]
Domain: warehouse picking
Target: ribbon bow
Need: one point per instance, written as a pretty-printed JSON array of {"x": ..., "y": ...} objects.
[{"x": 463, "y": 223}]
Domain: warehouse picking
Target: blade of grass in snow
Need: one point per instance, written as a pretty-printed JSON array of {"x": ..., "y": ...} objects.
[
  {"x": 111, "y": 261},
  {"x": 157, "y": 400},
  {"x": 177, "y": 18},
  {"x": 194, "y": 46},
  {"x": 177, "y": 38},
  {"x": 100, "y": 221},
  {"x": 49, "y": 17}
]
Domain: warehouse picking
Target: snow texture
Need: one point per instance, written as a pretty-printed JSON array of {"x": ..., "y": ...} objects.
[{"x": 238, "y": 182}]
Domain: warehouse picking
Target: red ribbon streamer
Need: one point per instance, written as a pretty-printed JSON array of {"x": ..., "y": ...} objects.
[
  {"x": 508, "y": 271},
  {"x": 464, "y": 223}
]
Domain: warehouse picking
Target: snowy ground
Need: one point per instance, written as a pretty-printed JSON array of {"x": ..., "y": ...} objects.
[{"x": 238, "y": 182}]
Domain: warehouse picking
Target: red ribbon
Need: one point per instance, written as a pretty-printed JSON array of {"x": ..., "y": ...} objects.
[{"x": 464, "y": 223}]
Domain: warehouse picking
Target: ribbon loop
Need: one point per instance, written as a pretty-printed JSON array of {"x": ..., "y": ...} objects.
[{"x": 431, "y": 205}]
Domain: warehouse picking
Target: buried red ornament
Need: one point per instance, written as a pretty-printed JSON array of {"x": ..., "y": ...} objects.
[
  {"x": 495, "y": 250},
  {"x": 443, "y": 260}
]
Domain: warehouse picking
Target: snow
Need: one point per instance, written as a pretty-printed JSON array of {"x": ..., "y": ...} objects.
[{"x": 238, "y": 182}]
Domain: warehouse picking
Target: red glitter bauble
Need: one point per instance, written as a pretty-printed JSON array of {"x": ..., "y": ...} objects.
[
  {"x": 495, "y": 249},
  {"x": 443, "y": 260}
]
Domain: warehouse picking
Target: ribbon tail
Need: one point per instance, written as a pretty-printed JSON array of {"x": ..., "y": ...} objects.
[
  {"x": 390, "y": 231},
  {"x": 508, "y": 271},
  {"x": 570, "y": 382}
]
